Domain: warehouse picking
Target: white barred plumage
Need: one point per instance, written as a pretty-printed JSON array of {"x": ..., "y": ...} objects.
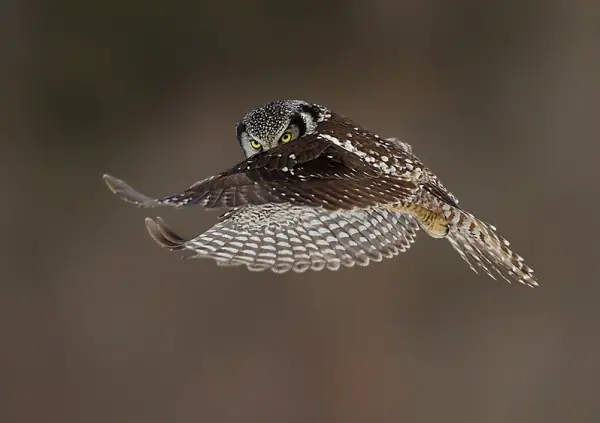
[
  {"x": 318, "y": 191},
  {"x": 284, "y": 237}
]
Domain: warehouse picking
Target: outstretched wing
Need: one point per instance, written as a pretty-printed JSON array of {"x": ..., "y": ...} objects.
[
  {"x": 282, "y": 237},
  {"x": 311, "y": 171}
]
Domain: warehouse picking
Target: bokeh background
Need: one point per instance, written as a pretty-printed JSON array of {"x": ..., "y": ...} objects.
[{"x": 98, "y": 324}]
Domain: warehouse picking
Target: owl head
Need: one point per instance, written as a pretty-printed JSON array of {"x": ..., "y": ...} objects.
[{"x": 278, "y": 122}]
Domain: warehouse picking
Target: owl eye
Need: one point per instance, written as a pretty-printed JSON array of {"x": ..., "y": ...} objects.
[
  {"x": 286, "y": 137},
  {"x": 255, "y": 144}
]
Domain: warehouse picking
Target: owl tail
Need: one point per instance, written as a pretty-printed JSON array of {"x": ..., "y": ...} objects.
[{"x": 480, "y": 246}]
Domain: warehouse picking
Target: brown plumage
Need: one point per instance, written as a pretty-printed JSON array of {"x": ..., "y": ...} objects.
[{"x": 307, "y": 165}]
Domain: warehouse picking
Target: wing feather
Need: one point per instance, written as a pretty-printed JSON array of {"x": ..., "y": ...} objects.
[
  {"x": 311, "y": 171},
  {"x": 285, "y": 237}
]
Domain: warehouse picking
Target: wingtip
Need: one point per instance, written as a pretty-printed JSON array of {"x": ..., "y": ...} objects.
[
  {"x": 163, "y": 234},
  {"x": 127, "y": 193},
  {"x": 114, "y": 185},
  {"x": 153, "y": 228}
]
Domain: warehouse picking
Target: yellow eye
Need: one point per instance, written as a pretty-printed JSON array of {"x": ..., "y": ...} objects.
[
  {"x": 286, "y": 137},
  {"x": 255, "y": 144}
]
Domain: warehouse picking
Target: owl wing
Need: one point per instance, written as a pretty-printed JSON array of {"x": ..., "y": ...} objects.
[
  {"x": 311, "y": 171},
  {"x": 283, "y": 237}
]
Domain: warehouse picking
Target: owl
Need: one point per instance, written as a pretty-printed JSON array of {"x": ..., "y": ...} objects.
[{"x": 318, "y": 191}]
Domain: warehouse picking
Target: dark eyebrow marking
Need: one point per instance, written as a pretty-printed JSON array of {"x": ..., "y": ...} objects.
[{"x": 241, "y": 128}]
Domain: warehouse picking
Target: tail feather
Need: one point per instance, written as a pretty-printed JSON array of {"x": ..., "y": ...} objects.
[{"x": 478, "y": 244}]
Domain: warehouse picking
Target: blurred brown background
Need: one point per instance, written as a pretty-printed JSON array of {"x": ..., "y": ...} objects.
[{"x": 98, "y": 324}]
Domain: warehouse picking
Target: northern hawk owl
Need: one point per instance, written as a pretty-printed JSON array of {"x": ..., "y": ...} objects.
[{"x": 316, "y": 191}]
